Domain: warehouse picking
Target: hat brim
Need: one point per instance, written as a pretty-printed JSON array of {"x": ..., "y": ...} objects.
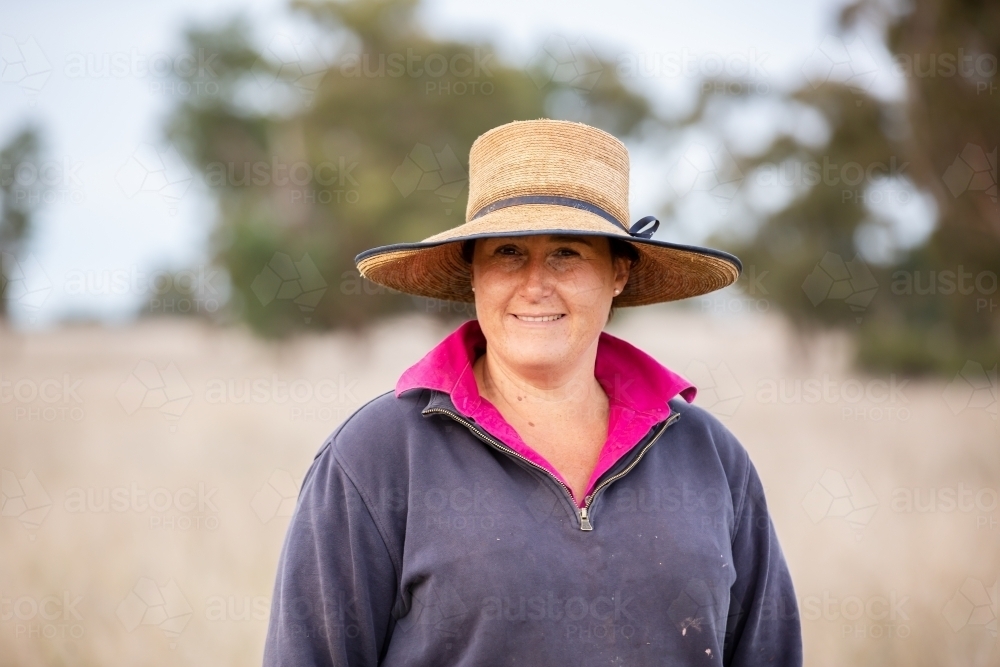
[{"x": 434, "y": 267}]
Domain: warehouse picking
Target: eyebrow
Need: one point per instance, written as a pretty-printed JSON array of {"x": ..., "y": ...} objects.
[{"x": 571, "y": 238}]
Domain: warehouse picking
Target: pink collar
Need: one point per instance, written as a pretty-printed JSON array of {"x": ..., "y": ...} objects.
[{"x": 637, "y": 386}]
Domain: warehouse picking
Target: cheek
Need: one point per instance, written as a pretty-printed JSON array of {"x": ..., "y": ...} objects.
[
  {"x": 585, "y": 283},
  {"x": 488, "y": 272},
  {"x": 491, "y": 282},
  {"x": 492, "y": 296}
]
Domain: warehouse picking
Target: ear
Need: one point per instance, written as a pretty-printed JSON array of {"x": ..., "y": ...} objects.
[{"x": 623, "y": 268}]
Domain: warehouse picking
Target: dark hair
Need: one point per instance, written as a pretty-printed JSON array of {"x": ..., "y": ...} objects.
[
  {"x": 619, "y": 248},
  {"x": 468, "y": 250}
]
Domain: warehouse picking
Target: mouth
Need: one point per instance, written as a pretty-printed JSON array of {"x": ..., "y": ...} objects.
[{"x": 540, "y": 318}]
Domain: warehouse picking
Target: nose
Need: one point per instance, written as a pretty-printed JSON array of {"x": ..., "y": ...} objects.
[{"x": 538, "y": 280}]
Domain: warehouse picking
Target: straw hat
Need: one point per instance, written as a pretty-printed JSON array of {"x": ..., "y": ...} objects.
[{"x": 549, "y": 177}]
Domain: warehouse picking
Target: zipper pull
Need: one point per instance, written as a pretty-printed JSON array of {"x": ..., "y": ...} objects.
[{"x": 584, "y": 521}]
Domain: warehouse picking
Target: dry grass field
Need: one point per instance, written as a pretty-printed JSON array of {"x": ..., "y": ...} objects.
[{"x": 149, "y": 471}]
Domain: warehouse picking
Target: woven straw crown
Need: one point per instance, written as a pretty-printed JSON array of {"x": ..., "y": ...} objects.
[
  {"x": 532, "y": 158},
  {"x": 549, "y": 176}
]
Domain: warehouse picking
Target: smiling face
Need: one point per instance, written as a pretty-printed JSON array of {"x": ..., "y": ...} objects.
[{"x": 543, "y": 300}]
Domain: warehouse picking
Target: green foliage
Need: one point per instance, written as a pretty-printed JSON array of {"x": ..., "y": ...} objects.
[
  {"x": 21, "y": 192},
  {"x": 373, "y": 143},
  {"x": 311, "y": 164},
  {"x": 934, "y": 306}
]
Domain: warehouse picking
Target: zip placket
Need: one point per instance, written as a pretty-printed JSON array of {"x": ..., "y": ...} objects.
[
  {"x": 584, "y": 519},
  {"x": 581, "y": 512}
]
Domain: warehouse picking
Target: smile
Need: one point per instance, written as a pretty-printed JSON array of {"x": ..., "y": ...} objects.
[{"x": 542, "y": 318}]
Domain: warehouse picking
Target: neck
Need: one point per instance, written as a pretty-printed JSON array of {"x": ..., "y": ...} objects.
[{"x": 570, "y": 388}]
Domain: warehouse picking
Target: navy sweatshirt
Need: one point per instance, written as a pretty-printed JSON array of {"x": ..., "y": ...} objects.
[{"x": 419, "y": 540}]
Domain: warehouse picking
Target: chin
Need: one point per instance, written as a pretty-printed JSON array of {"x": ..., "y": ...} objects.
[{"x": 537, "y": 353}]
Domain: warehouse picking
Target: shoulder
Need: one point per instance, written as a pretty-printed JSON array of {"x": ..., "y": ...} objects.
[
  {"x": 697, "y": 419},
  {"x": 373, "y": 446},
  {"x": 701, "y": 435},
  {"x": 377, "y": 424},
  {"x": 358, "y": 478}
]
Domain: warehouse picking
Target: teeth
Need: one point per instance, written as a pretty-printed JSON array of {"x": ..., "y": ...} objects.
[{"x": 546, "y": 318}]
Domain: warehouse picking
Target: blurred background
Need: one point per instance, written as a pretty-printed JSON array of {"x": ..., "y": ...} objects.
[{"x": 184, "y": 186}]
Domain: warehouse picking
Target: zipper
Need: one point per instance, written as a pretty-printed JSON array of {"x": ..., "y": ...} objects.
[
  {"x": 502, "y": 447},
  {"x": 582, "y": 512},
  {"x": 584, "y": 519}
]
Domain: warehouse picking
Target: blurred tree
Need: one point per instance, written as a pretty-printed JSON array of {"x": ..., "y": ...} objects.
[
  {"x": 314, "y": 156},
  {"x": 842, "y": 250},
  {"x": 21, "y": 191}
]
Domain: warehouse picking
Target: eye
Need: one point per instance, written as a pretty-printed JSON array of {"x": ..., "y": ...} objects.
[
  {"x": 506, "y": 250},
  {"x": 566, "y": 252}
]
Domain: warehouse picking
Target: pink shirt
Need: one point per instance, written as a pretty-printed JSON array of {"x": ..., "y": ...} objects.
[{"x": 638, "y": 388}]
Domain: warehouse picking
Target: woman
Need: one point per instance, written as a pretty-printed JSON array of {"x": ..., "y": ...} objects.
[{"x": 534, "y": 491}]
